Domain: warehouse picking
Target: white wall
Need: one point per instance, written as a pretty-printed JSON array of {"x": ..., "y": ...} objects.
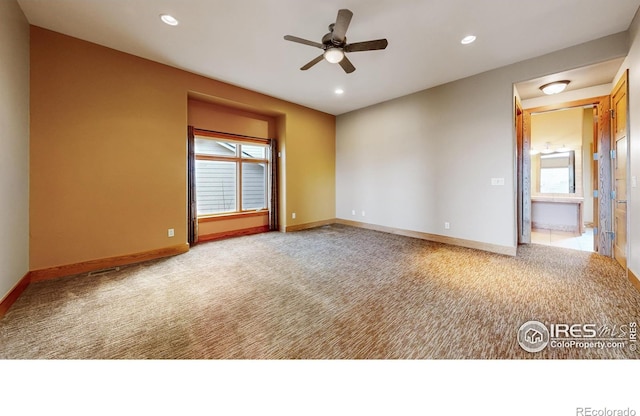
[
  {"x": 633, "y": 64},
  {"x": 14, "y": 145},
  {"x": 418, "y": 161}
]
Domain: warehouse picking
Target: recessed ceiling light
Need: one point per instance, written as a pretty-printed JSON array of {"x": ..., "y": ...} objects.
[
  {"x": 168, "y": 19},
  {"x": 468, "y": 39},
  {"x": 339, "y": 91}
]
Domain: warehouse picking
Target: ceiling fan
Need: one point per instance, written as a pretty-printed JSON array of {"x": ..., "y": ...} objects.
[{"x": 335, "y": 44}]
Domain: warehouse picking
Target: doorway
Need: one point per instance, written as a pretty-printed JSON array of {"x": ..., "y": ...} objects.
[
  {"x": 609, "y": 164},
  {"x": 561, "y": 179},
  {"x": 601, "y": 167}
]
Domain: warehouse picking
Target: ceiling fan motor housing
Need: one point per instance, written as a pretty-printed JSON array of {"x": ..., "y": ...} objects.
[{"x": 328, "y": 41}]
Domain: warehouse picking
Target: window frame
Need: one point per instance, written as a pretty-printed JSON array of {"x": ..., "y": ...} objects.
[{"x": 239, "y": 160}]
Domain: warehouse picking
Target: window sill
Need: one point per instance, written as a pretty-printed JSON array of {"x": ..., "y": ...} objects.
[{"x": 232, "y": 216}]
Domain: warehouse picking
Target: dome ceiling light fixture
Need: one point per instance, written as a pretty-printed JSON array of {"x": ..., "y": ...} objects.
[{"x": 555, "y": 87}]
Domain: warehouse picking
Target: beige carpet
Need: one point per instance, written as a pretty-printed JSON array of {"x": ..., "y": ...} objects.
[{"x": 334, "y": 292}]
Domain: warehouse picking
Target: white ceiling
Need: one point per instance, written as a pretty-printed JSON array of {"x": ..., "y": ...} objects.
[{"x": 241, "y": 42}]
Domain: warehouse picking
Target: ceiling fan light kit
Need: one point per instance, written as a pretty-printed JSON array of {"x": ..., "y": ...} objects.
[
  {"x": 333, "y": 55},
  {"x": 335, "y": 46}
]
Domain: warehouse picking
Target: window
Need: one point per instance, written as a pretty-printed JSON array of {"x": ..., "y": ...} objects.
[{"x": 231, "y": 175}]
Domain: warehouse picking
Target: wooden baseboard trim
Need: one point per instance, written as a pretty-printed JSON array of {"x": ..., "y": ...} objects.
[
  {"x": 234, "y": 233},
  {"x": 633, "y": 278},
  {"x": 309, "y": 225},
  {"x": 99, "y": 264},
  {"x": 493, "y": 248},
  {"x": 14, "y": 294}
]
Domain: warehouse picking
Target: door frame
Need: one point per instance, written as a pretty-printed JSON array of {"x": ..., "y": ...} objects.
[
  {"x": 622, "y": 82},
  {"x": 604, "y": 181}
]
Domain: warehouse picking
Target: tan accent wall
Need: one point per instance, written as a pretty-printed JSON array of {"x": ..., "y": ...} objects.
[
  {"x": 222, "y": 225},
  {"x": 14, "y": 146},
  {"x": 109, "y": 154},
  {"x": 225, "y": 119}
]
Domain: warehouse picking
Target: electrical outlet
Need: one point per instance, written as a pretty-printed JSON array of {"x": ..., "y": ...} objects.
[
  {"x": 363, "y": 213},
  {"x": 447, "y": 226},
  {"x": 497, "y": 181},
  {"x": 353, "y": 212},
  {"x": 293, "y": 215},
  {"x": 171, "y": 232}
]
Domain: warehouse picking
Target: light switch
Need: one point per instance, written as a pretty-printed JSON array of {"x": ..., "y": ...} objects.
[
  {"x": 497, "y": 181},
  {"x": 634, "y": 182}
]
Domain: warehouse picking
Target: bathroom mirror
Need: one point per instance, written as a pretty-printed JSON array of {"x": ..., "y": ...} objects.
[{"x": 555, "y": 172}]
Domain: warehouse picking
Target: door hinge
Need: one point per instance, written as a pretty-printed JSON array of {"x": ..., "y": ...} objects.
[
  {"x": 595, "y": 230},
  {"x": 613, "y": 154},
  {"x": 613, "y": 194},
  {"x": 596, "y": 156},
  {"x": 595, "y": 193},
  {"x": 612, "y": 112}
]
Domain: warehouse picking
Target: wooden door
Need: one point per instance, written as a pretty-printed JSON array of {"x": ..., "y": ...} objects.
[{"x": 619, "y": 164}]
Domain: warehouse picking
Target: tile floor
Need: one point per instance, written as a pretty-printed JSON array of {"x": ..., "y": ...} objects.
[{"x": 582, "y": 242}]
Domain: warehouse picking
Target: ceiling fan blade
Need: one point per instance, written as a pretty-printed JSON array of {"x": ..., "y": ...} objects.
[
  {"x": 312, "y": 63},
  {"x": 347, "y": 65},
  {"x": 303, "y": 41},
  {"x": 370, "y": 45},
  {"x": 341, "y": 25}
]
